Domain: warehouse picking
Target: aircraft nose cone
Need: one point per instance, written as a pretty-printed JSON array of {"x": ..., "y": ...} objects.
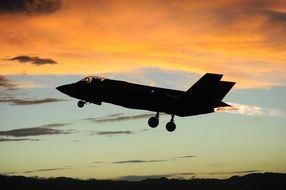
[
  {"x": 62, "y": 89},
  {"x": 69, "y": 89}
]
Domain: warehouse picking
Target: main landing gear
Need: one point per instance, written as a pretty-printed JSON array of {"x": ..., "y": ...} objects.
[
  {"x": 154, "y": 122},
  {"x": 171, "y": 126}
]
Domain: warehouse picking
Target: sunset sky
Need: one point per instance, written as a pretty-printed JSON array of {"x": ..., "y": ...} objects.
[{"x": 165, "y": 43}]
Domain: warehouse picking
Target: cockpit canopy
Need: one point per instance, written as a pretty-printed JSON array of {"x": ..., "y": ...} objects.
[{"x": 92, "y": 79}]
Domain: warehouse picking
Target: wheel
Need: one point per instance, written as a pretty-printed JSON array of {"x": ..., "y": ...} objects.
[
  {"x": 153, "y": 122},
  {"x": 80, "y": 104},
  {"x": 170, "y": 126}
]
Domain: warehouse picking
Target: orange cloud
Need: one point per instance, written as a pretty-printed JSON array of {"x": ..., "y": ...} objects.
[{"x": 243, "y": 39}]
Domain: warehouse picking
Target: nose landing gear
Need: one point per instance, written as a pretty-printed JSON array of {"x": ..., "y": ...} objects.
[{"x": 80, "y": 103}]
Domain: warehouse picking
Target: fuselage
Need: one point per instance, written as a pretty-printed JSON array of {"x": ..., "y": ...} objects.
[{"x": 135, "y": 96}]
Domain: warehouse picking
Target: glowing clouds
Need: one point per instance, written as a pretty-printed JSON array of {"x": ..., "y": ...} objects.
[{"x": 238, "y": 38}]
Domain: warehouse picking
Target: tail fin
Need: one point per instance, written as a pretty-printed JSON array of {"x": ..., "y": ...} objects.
[
  {"x": 209, "y": 90},
  {"x": 205, "y": 85}
]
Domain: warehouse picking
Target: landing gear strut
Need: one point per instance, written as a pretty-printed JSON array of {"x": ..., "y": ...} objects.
[
  {"x": 154, "y": 121},
  {"x": 80, "y": 103},
  {"x": 171, "y": 126}
]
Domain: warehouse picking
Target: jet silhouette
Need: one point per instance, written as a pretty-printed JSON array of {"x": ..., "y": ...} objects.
[{"x": 202, "y": 98}]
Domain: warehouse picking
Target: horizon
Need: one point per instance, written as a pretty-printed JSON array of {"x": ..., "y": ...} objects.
[
  {"x": 252, "y": 181},
  {"x": 168, "y": 44},
  {"x": 143, "y": 178}
]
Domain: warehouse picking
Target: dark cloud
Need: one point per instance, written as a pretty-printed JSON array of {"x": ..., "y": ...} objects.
[
  {"x": 55, "y": 125},
  {"x": 7, "y": 84},
  {"x": 97, "y": 162},
  {"x": 115, "y": 133},
  {"x": 136, "y": 161},
  {"x": 33, "y": 60},
  {"x": 11, "y": 140},
  {"x": 30, "y": 7},
  {"x": 36, "y": 131},
  {"x": 183, "y": 157},
  {"x": 47, "y": 170},
  {"x": 276, "y": 16},
  {"x": 119, "y": 117},
  {"x": 25, "y": 102},
  {"x": 112, "y": 133},
  {"x": 111, "y": 115}
]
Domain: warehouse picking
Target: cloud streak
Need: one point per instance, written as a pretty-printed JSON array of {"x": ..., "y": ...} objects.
[
  {"x": 26, "y": 102},
  {"x": 115, "y": 133},
  {"x": 137, "y": 161},
  {"x": 111, "y": 133},
  {"x": 234, "y": 172},
  {"x": 33, "y": 60},
  {"x": 46, "y": 170},
  {"x": 11, "y": 98},
  {"x": 17, "y": 139},
  {"x": 54, "y": 125},
  {"x": 48, "y": 129},
  {"x": 251, "y": 110},
  {"x": 150, "y": 161},
  {"x": 119, "y": 117},
  {"x": 7, "y": 84},
  {"x": 186, "y": 157}
]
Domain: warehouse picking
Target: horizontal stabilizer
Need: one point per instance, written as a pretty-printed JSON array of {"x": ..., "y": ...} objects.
[
  {"x": 221, "y": 90},
  {"x": 223, "y": 104}
]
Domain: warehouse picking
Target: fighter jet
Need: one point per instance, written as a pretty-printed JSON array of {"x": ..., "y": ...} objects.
[{"x": 203, "y": 97}]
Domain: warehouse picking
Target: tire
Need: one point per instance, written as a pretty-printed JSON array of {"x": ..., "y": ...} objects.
[
  {"x": 153, "y": 122},
  {"x": 80, "y": 104},
  {"x": 170, "y": 126}
]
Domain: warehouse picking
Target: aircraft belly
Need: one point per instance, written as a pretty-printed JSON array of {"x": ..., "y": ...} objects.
[
  {"x": 194, "y": 108},
  {"x": 144, "y": 102}
]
